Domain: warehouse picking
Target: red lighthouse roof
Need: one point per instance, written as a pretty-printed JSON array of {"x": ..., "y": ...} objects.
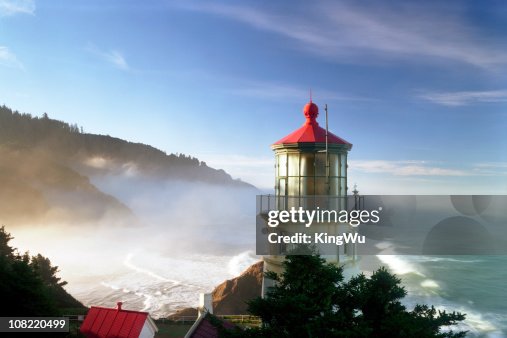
[{"x": 311, "y": 132}]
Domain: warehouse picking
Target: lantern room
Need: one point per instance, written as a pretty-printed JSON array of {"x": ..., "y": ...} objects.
[{"x": 310, "y": 161}]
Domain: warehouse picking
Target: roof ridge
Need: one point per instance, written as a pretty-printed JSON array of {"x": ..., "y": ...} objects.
[{"x": 122, "y": 310}]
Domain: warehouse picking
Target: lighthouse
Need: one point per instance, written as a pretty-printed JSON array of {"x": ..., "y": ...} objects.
[
  {"x": 311, "y": 161},
  {"x": 310, "y": 173}
]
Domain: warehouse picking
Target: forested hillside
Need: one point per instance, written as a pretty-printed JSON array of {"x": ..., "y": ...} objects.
[
  {"x": 46, "y": 165},
  {"x": 68, "y": 143}
]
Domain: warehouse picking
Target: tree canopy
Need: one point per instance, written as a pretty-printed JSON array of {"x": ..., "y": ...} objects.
[
  {"x": 29, "y": 285},
  {"x": 311, "y": 299},
  {"x": 67, "y": 143}
]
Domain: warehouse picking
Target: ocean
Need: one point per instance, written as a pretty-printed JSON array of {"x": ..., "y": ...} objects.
[
  {"x": 474, "y": 285},
  {"x": 194, "y": 237},
  {"x": 101, "y": 272}
]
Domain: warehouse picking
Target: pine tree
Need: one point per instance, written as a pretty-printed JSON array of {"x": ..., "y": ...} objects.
[{"x": 311, "y": 299}]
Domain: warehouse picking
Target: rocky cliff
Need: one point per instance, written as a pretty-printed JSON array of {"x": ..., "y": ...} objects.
[{"x": 231, "y": 297}]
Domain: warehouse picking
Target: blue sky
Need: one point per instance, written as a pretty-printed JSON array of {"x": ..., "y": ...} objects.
[{"x": 419, "y": 88}]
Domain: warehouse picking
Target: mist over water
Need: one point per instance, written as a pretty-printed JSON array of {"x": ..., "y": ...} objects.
[{"x": 189, "y": 237}]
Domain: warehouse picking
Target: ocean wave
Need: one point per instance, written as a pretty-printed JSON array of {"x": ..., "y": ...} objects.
[
  {"x": 424, "y": 290},
  {"x": 239, "y": 263},
  {"x": 128, "y": 263},
  {"x": 400, "y": 266},
  {"x": 445, "y": 259}
]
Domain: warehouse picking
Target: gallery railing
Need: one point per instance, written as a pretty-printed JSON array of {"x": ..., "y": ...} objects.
[{"x": 265, "y": 203}]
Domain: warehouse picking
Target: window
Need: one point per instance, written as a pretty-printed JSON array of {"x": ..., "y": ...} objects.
[
  {"x": 307, "y": 186},
  {"x": 334, "y": 165},
  {"x": 293, "y": 186},
  {"x": 320, "y": 164},
  {"x": 282, "y": 165},
  {"x": 307, "y": 164},
  {"x": 293, "y": 164}
]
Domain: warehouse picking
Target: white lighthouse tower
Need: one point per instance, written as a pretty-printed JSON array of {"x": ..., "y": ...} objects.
[{"x": 310, "y": 170}]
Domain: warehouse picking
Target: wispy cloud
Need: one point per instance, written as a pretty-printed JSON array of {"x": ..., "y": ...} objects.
[
  {"x": 117, "y": 59},
  {"x": 221, "y": 160},
  {"x": 112, "y": 56},
  {"x": 351, "y": 33},
  {"x": 13, "y": 7},
  {"x": 255, "y": 170},
  {"x": 465, "y": 97},
  {"x": 259, "y": 170},
  {"x": 9, "y": 59},
  {"x": 404, "y": 168},
  {"x": 491, "y": 169},
  {"x": 494, "y": 165}
]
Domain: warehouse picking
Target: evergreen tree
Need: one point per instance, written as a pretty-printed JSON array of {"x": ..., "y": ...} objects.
[
  {"x": 29, "y": 285},
  {"x": 47, "y": 272},
  {"x": 22, "y": 291},
  {"x": 5, "y": 250},
  {"x": 310, "y": 299}
]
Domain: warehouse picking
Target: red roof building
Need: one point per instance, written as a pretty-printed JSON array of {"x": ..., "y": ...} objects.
[{"x": 101, "y": 322}]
